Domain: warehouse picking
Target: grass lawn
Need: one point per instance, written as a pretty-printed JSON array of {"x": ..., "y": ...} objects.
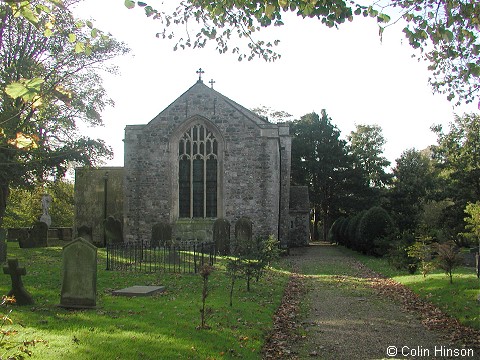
[
  {"x": 458, "y": 300},
  {"x": 158, "y": 327}
]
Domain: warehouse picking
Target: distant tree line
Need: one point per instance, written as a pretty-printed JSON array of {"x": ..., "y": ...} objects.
[{"x": 430, "y": 193}]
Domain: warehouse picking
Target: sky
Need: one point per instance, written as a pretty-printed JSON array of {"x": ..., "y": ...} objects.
[{"x": 349, "y": 72}]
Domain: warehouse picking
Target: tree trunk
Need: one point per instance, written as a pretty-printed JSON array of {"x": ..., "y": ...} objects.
[{"x": 4, "y": 191}]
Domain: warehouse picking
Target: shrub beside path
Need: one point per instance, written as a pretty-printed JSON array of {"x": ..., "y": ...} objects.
[{"x": 336, "y": 308}]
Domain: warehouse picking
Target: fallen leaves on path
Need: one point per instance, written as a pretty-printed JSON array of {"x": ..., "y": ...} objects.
[
  {"x": 432, "y": 317},
  {"x": 285, "y": 322}
]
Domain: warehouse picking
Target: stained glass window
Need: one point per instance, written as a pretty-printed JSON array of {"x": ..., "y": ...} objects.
[{"x": 197, "y": 173}]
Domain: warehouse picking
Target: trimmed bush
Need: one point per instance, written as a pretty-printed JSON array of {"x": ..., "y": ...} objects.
[
  {"x": 352, "y": 241},
  {"x": 374, "y": 231}
]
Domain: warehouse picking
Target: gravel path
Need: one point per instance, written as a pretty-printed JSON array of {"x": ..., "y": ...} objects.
[{"x": 341, "y": 316}]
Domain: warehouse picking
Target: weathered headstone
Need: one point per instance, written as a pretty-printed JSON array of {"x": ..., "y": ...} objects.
[
  {"x": 221, "y": 236},
  {"x": 243, "y": 236},
  {"x": 3, "y": 245},
  {"x": 22, "y": 296},
  {"x": 113, "y": 230},
  {"x": 161, "y": 235},
  {"x": 79, "y": 280},
  {"x": 23, "y": 237},
  {"x": 39, "y": 234},
  {"x": 85, "y": 232}
]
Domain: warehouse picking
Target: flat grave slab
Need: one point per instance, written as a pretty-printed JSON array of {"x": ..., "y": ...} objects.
[{"x": 139, "y": 291}]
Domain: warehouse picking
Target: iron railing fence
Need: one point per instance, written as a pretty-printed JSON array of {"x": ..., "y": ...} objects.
[{"x": 180, "y": 257}]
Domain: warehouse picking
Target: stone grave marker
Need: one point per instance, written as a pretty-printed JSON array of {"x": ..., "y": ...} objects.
[
  {"x": 161, "y": 235},
  {"x": 139, "y": 291},
  {"x": 85, "y": 232},
  {"x": 22, "y": 296},
  {"x": 23, "y": 237},
  {"x": 243, "y": 236},
  {"x": 113, "y": 230},
  {"x": 221, "y": 236},
  {"x": 79, "y": 275},
  {"x": 39, "y": 234},
  {"x": 3, "y": 245}
]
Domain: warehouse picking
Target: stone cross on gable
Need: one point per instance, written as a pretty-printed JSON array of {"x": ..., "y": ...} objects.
[
  {"x": 22, "y": 296},
  {"x": 200, "y": 72},
  {"x": 211, "y": 82}
]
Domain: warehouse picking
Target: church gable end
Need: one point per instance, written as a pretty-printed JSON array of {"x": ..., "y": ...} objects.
[{"x": 206, "y": 157}]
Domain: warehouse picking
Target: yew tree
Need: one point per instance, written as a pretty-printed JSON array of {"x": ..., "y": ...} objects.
[
  {"x": 457, "y": 158},
  {"x": 48, "y": 87},
  {"x": 320, "y": 160}
]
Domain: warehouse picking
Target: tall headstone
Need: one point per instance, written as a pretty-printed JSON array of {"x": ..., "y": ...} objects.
[
  {"x": 79, "y": 275},
  {"x": 3, "y": 245},
  {"x": 22, "y": 296},
  {"x": 23, "y": 237},
  {"x": 221, "y": 236},
  {"x": 161, "y": 235},
  {"x": 113, "y": 230},
  {"x": 39, "y": 234},
  {"x": 243, "y": 236}
]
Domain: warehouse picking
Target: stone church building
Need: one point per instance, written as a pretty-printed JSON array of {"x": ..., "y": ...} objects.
[{"x": 204, "y": 157}]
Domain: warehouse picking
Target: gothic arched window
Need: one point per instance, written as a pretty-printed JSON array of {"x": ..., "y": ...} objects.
[{"x": 197, "y": 173}]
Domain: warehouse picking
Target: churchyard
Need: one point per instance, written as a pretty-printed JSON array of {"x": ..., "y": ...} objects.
[
  {"x": 168, "y": 323},
  {"x": 141, "y": 327}
]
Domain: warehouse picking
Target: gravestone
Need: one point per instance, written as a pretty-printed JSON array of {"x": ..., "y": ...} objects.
[
  {"x": 161, "y": 235},
  {"x": 39, "y": 234},
  {"x": 22, "y": 296},
  {"x": 3, "y": 245},
  {"x": 113, "y": 230},
  {"x": 23, "y": 237},
  {"x": 139, "y": 291},
  {"x": 79, "y": 275},
  {"x": 85, "y": 232},
  {"x": 243, "y": 236},
  {"x": 221, "y": 236}
]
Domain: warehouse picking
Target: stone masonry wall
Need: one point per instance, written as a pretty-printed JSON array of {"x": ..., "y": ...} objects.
[
  {"x": 90, "y": 198},
  {"x": 249, "y": 164}
]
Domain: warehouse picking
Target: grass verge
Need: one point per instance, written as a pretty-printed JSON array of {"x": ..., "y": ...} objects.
[{"x": 458, "y": 300}]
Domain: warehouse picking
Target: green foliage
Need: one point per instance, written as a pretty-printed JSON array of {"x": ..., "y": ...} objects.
[
  {"x": 366, "y": 144},
  {"x": 334, "y": 232},
  {"x": 448, "y": 258},
  {"x": 39, "y": 133},
  {"x": 458, "y": 161},
  {"x": 321, "y": 162},
  {"x": 473, "y": 221},
  {"x": 251, "y": 264},
  {"x": 24, "y": 207},
  {"x": 375, "y": 228},
  {"x": 352, "y": 240},
  {"x": 414, "y": 181},
  {"x": 446, "y": 32},
  {"x": 422, "y": 250}
]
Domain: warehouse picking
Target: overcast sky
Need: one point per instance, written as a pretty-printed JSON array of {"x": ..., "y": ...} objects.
[{"x": 348, "y": 72}]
